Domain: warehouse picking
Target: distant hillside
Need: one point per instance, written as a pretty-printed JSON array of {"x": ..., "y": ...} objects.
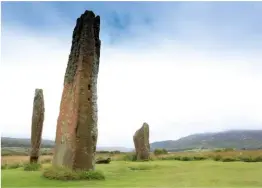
[
  {"x": 23, "y": 142},
  {"x": 26, "y": 143},
  {"x": 239, "y": 139}
]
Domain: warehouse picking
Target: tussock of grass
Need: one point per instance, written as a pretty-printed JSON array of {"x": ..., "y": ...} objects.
[
  {"x": 160, "y": 151},
  {"x": 229, "y": 159},
  {"x": 129, "y": 157},
  {"x": 65, "y": 174},
  {"x": 3, "y": 166},
  {"x": 142, "y": 167},
  {"x": 183, "y": 158},
  {"x": 32, "y": 167},
  {"x": 250, "y": 159},
  {"x": 11, "y": 166},
  {"x": 217, "y": 158},
  {"x": 238, "y": 158},
  {"x": 199, "y": 158}
]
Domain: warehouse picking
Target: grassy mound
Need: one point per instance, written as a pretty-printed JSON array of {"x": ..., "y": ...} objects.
[
  {"x": 32, "y": 166},
  {"x": 62, "y": 173}
]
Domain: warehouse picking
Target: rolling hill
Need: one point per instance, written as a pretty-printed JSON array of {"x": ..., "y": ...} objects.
[
  {"x": 238, "y": 139},
  {"x": 26, "y": 143}
]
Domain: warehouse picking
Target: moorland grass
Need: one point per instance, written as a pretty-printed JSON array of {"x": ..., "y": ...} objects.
[
  {"x": 217, "y": 155},
  {"x": 161, "y": 173}
]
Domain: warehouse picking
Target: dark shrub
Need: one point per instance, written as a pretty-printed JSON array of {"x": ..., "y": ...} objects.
[
  {"x": 228, "y": 159},
  {"x": 103, "y": 151},
  {"x": 186, "y": 158},
  {"x": 160, "y": 151},
  {"x": 245, "y": 159},
  {"x": 217, "y": 158},
  {"x": 250, "y": 159},
  {"x": 176, "y": 158},
  {"x": 129, "y": 157},
  {"x": 257, "y": 159},
  {"x": 199, "y": 158}
]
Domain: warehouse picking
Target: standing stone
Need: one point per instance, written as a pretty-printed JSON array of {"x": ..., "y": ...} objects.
[
  {"x": 37, "y": 125},
  {"x": 141, "y": 141},
  {"x": 76, "y": 133}
]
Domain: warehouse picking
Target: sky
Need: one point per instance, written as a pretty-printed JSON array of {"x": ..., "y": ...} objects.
[{"x": 182, "y": 67}]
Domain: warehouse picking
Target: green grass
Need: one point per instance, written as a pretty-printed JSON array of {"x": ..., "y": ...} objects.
[{"x": 151, "y": 174}]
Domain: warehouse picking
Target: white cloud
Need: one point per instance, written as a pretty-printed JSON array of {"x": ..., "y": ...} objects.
[{"x": 175, "y": 87}]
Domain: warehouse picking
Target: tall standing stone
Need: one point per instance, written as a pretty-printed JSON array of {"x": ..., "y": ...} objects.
[
  {"x": 141, "y": 141},
  {"x": 76, "y": 133},
  {"x": 37, "y": 125}
]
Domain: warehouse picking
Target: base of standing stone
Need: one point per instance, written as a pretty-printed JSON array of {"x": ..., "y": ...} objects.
[{"x": 33, "y": 159}]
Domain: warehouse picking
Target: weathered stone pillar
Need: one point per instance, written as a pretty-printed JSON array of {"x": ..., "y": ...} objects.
[
  {"x": 141, "y": 141},
  {"x": 37, "y": 125},
  {"x": 76, "y": 134}
]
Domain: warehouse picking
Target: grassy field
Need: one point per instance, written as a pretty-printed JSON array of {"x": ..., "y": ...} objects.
[
  {"x": 179, "y": 169},
  {"x": 151, "y": 174}
]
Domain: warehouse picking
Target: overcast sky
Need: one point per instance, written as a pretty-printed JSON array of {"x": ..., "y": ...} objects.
[{"x": 181, "y": 67}]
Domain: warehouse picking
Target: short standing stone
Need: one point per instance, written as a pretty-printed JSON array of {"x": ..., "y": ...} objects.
[
  {"x": 37, "y": 125},
  {"x": 76, "y": 133},
  {"x": 141, "y": 141}
]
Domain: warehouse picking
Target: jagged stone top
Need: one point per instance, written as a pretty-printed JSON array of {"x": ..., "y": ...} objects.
[
  {"x": 39, "y": 99},
  {"x": 87, "y": 28},
  {"x": 38, "y": 93},
  {"x": 88, "y": 17},
  {"x": 88, "y": 14},
  {"x": 144, "y": 128},
  {"x": 145, "y": 125},
  {"x": 37, "y": 90}
]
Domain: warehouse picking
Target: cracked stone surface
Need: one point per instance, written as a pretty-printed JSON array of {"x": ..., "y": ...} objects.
[
  {"x": 141, "y": 142},
  {"x": 76, "y": 134},
  {"x": 37, "y": 125}
]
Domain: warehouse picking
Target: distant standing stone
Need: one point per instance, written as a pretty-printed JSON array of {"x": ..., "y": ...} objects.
[
  {"x": 141, "y": 141},
  {"x": 37, "y": 125}
]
